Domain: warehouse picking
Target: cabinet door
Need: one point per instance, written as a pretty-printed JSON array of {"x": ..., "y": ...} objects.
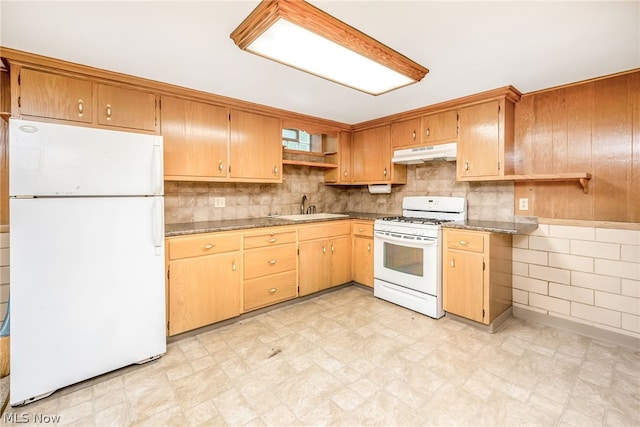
[
  {"x": 127, "y": 108},
  {"x": 371, "y": 154},
  {"x": 340, "y": 249},
  {"x": 203, "y": 290},
  {"x": 479, "y": 141},
  {"x": 255, "y": 147},
  {"x": 362, "y": 260},
  {"x": 55, "y": 96},
  {"x": 463, "y": 287},
  {"x": 195, "y": 138},
  {"x": 440, "y": 127},
  {"x": 405, "y": 133},
  {"x": 314, "y": 266}
]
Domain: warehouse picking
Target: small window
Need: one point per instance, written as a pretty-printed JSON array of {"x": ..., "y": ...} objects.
[{"x": 295, "y": 139}]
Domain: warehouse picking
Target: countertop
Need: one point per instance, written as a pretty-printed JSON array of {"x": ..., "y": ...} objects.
[
  {"x": 493, "y": 226},
  {"x": 183, "y": 229}
]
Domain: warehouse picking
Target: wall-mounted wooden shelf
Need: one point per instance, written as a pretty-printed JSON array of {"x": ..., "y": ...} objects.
[
  {"x": 312, "y": 164},
  {"x": 582, "y": 177}
]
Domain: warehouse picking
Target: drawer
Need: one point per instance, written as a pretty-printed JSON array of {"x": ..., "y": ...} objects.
[
  {"x": 270, "y": 290},
  {"x": 271, "y": 260},
  {"x": 362, "y": 228},
  {"x": 465, "y": 240},
  {"x": 203, "y": 244},
  {"x": 324, "y": 230},
  {"x": 269, "y": 237}
]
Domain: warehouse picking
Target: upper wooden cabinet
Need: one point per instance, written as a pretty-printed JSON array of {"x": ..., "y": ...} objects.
[
  {"x": 371, "y": 155},
  {"x": 70, "y": 98},
  {"x": 127, "y": 108},
  {"x": 405, "y": 133},
  {"x": 485, "y": 143},
  {"x": 255, "y": 147},
  {"x": 54, "y": 96},
  {"x": 195, "y": 139},
  {"x": 439, "y": 127},
  {"x": 341, "y": 156}
]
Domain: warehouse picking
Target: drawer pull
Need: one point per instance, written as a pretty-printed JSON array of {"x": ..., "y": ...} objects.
[
  {"x": 108, "y": 111},
  {"x": 272, "y": 262},
  {"x": 273, "y": 291},
  {"x": 233, "y": 265},
  {"x": 463, "y": 242},
  {"x": 80, "y": 108},
  {"x": 272, "y": 240},
  {"x": 361, "y": 229},
  {"x": 466, "y": 165},
  {"x": 332, "y": 248},
  {"x": 208, "y": 246},
  {"x": 273, "y": 233},
  {"x": 453, "y": 263}
]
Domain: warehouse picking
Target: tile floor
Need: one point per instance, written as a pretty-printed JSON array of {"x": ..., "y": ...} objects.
[{"x": 346, "y": 358}]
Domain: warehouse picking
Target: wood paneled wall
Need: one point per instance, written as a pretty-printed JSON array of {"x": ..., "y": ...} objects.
[
  {"x": 5, "y": 102},
  {"x": 585, "y": 127}
]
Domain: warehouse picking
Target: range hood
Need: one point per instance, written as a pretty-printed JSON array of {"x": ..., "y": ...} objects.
[{"x": 414, "y": 156}]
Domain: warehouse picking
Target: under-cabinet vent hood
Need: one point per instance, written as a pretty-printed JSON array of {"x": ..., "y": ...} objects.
[{"x": 414, "y": 156}]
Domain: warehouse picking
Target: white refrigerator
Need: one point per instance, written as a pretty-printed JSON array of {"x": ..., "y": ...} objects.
[{"x": 86, "y": 254}]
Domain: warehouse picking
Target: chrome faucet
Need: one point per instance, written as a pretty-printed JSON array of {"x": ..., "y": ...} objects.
[{"x": 304, "y": 199}]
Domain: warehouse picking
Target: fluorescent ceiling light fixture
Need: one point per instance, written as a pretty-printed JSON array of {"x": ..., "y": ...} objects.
[{"x": 297, "y": 34}]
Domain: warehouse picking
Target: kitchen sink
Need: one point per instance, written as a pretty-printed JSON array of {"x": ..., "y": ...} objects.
[{"x": 310, "y": 217}]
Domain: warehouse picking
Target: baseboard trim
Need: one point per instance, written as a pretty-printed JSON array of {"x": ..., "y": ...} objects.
[
  {"x": 579, "y": 328},
  {"x": 495, "y": 326}
]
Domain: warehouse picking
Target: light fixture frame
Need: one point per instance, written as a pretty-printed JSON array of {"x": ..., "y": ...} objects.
[{"x": 311, "y": 18}]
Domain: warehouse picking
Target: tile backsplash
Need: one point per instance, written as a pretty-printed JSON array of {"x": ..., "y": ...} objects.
[{"x": 194, "y": 201}]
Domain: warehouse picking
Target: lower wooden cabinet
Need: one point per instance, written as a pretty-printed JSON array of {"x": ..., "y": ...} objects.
[
  {"x": 270, "y": 267},
  {"x": 477, "y": 269},
  {"x": 325, "y": 256},
  {"x": 204, "y": 280},
  {"x": 362, "y": 252}
]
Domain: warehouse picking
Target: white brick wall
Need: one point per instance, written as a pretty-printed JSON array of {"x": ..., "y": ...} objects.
[
  {"x": 4, "y": 274},
  {"x": 589, "y": 275}
]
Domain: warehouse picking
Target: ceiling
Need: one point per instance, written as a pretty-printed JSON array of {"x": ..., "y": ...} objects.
[{"x": 469, "y": 47}]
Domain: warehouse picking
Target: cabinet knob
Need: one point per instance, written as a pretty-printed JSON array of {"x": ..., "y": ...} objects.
[
  {"x": 272, "y": 233},
  {"x": 233, "y": 265},
  {"x": 273, "y": 290},
  {"x": 332, "y": 248},
  {"x": 220, "y": 167},
  {"x": 208, "y": 246},
  {"x": 463, "y": 242},
  {"x": 80, "y": 108},
  {"x": 428, "y": 132},
  {"x": 272, "y": 240},
  {"x": 275, "y": 170},
  {"x": 361, "y": 229},
  {"x": 413, "y": 135},
  {"x": 466, "y": 165},
  {"x": 108, "y": 111},
  {"x": 453, "y": 263},
  {"x": 324, "y": 249},
  {"x": 384, "y": 172},
  {"x": 369, "y": 247},
  {"x": 272, "y": 262},
  {"x": 345, "y": 174}
]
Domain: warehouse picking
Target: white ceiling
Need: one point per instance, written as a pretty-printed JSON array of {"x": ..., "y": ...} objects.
[{"x": 469, "y": 47}]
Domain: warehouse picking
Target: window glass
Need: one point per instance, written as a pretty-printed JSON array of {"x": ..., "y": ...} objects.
[{"x": 295, "y": 139}]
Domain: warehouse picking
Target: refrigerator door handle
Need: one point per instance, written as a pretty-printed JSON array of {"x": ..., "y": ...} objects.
[
  {"x": 158, "y": 178},
  {"x": 157, "y": 225}
]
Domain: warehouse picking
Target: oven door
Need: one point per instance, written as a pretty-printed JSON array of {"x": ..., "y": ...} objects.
[{"x": 408, "y": 261}]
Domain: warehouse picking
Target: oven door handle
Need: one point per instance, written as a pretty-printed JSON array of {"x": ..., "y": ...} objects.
[{"x": 384, "y": 237}]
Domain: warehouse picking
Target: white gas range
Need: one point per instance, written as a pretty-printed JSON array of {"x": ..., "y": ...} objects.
[{"x": 408, "y": 253}]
